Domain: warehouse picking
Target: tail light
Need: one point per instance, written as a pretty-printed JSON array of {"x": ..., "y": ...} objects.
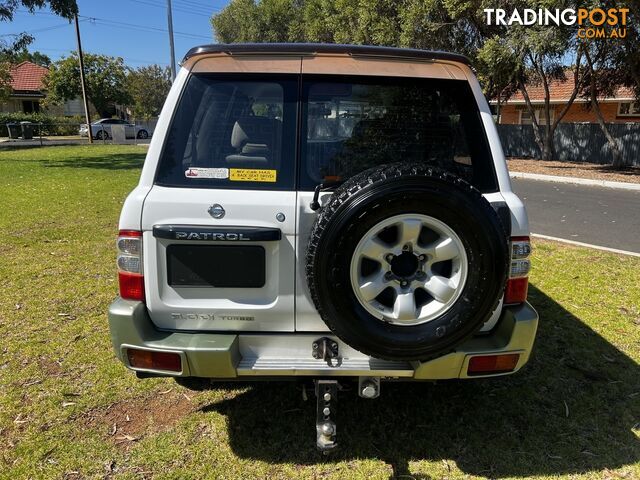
[
  {"x": 518, "y": 282},
  {"x": 130, "y": 276}
]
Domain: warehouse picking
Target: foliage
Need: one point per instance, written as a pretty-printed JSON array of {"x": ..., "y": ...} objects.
[
  {"x": 49, "y": 125},
  {"x": 105, "y": 78},
  {"x": 19, "y": 42},
  {"x": 269, "y": 21},
  {"x": 63, "y": 8},
  {"x": 147, "y": 88},
  {"x": 36, "y": 57}
]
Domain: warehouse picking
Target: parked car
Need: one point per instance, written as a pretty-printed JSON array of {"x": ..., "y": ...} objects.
[
  {"x": 326, "y": 212},
  {"x": 101, "y": 129}
]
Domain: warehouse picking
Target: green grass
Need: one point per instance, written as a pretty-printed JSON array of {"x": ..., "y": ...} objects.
[{"x": 573, "y": 412}]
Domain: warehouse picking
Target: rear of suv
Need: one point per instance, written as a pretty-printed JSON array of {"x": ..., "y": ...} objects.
[{"x": 324, "y": 212}]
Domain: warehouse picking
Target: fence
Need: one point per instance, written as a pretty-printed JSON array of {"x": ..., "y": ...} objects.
[
  {"x": 48, "y": 133},
  {"x": 576, "y": 142}
]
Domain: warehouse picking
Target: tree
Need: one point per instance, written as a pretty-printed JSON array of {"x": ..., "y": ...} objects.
[
  {"x": 105, "y": 76},
  {"x": 34, "y": 57},
  {"x": 148, "y": 88},
  {"x": 63, "y": 8},
  {"x": 8, "y": 49},
  {"x": 266, "y": 21}
]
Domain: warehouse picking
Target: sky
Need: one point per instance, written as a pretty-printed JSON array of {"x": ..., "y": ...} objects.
[{"x": 135, "y": 30}]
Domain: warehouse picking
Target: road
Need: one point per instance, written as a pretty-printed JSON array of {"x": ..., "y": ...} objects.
[{"x": 600, "y": 216}]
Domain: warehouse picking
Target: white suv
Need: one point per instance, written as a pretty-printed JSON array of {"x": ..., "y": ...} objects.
[{"x": 323, "y": 211}]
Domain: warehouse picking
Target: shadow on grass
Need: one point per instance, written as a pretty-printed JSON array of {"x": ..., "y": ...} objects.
[
  {"x": 116, "y": 161},
  {"x": 571, "y": 410}
]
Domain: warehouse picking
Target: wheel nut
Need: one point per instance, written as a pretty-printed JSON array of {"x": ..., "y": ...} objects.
[
  {"x": 404, "y": 283},
  {"x": 327, "y": 397},
  {"x": 326, "y": 411},
  {"x": 390, "y": 257},
  {"x": 422, "y": 258},
  {"x": 388, "y": 276},
  {"x": 406, "y": 247}
]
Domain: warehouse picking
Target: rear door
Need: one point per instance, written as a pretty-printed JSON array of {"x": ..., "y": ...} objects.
[{"x": 219, "y": 222}]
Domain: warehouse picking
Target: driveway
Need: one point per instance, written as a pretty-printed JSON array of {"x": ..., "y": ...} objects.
[{"x": 600, "y": 216}]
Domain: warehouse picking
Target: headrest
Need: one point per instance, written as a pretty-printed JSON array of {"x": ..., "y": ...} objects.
[{"x": 259, "y": 130}]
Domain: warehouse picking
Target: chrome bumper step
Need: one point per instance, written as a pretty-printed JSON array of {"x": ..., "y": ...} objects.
[{"x": 309, "y": 366}]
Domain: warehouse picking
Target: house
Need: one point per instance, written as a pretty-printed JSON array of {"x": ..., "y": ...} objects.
[
  {"x": 28, "y": 93},
  {"x": 620, "y": 108}
]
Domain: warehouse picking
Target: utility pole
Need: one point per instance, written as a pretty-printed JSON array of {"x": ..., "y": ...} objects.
[
  {"x": 171, "y": 47},
  {"x": 87, "y": 115}
]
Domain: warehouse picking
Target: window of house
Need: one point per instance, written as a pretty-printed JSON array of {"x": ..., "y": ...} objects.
[
  {"x": 30, "y": 106},
  {"x": 629, "y": 109},
  {"x": 525, "y": 116}
]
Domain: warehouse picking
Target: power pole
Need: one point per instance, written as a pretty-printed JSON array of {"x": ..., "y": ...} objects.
[
  {"x": 87, "y": 115},
  {"x": 171, "y": 47}
]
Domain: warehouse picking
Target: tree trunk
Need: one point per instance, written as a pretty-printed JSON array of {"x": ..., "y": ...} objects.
[
  {"x": 549, "y": 152},
  {"x": 613, "y": 144},
  {"x": 618, "y": 162},
  {"x": 534, "y": 122}
]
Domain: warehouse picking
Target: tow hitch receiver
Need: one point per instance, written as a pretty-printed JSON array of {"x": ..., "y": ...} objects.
[{"x": 327, "y": 397}]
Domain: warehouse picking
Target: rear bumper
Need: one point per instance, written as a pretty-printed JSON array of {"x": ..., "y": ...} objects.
[{"x": 222, "y": 355}]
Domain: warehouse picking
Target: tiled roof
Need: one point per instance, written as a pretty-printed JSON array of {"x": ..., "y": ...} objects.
[
  {"x": 27, "y": 76},
  {"x": 560, "y": 90}
]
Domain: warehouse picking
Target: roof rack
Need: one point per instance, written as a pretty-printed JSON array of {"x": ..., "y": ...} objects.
[{"x": 316, "y": 48}]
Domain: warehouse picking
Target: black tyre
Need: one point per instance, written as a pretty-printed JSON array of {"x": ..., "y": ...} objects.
[
  {"x": 142, "y": 134},
  {"x": 428, "y": 240}
]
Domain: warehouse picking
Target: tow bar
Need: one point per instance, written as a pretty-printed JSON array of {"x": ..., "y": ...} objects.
[{"x": 326, "y": 399}]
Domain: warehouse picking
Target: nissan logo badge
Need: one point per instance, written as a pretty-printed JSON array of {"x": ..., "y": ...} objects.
[{"x": 216, "y": 210}]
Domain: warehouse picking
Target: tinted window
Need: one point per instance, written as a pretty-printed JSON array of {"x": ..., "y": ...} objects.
[
  {"x": 232, "y": 131},
  {"x": 354, "y": 123}
]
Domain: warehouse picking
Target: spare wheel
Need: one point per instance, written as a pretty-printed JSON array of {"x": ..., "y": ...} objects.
[{"x": 406, "y": 261}]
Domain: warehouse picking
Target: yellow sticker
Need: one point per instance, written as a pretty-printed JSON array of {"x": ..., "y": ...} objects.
[{"x": 252, "y": 175}]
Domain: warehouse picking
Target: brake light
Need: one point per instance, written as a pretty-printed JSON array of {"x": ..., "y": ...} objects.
[
  {"x": 518, "y": 282},
  {"x": 493, "y": 364},
  {"x": 129, "y": 261}
]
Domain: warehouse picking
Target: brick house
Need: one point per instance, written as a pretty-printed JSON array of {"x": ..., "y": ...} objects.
[
  {"x": 28, "y": 93},
  {"x": 620, "y": 108}
]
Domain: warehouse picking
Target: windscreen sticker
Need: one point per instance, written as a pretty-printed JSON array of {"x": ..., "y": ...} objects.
[
  {"x": 199, "y": 172},
  {"x": 252, "y": 175}
]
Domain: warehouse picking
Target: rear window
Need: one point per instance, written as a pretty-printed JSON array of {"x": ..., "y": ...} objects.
[
  {"x": 232, "y": 132},
  {"x": 351, "y": 124},
  {"x": 241, "y": 131}
]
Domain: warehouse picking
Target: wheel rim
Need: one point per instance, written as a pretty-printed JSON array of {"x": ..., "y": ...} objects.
[{"x": 408, "y": 269}]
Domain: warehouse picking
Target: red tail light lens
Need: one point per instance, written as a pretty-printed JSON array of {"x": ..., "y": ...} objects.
[
  {"x": 518, "y": 282},
  {"x": 516, "y": 291},
  {"x": 129, "y": 261},
  {"x": 151, "y": 360},
  {"x": 131, "y": 286},
  {"x": 492, "y": 364}
]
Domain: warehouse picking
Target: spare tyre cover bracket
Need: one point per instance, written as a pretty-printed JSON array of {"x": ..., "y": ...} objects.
[{"x": 326, "y": 349}]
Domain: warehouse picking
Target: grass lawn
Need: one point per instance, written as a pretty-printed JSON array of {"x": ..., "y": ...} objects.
[{"x": 68, "y": 409}]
